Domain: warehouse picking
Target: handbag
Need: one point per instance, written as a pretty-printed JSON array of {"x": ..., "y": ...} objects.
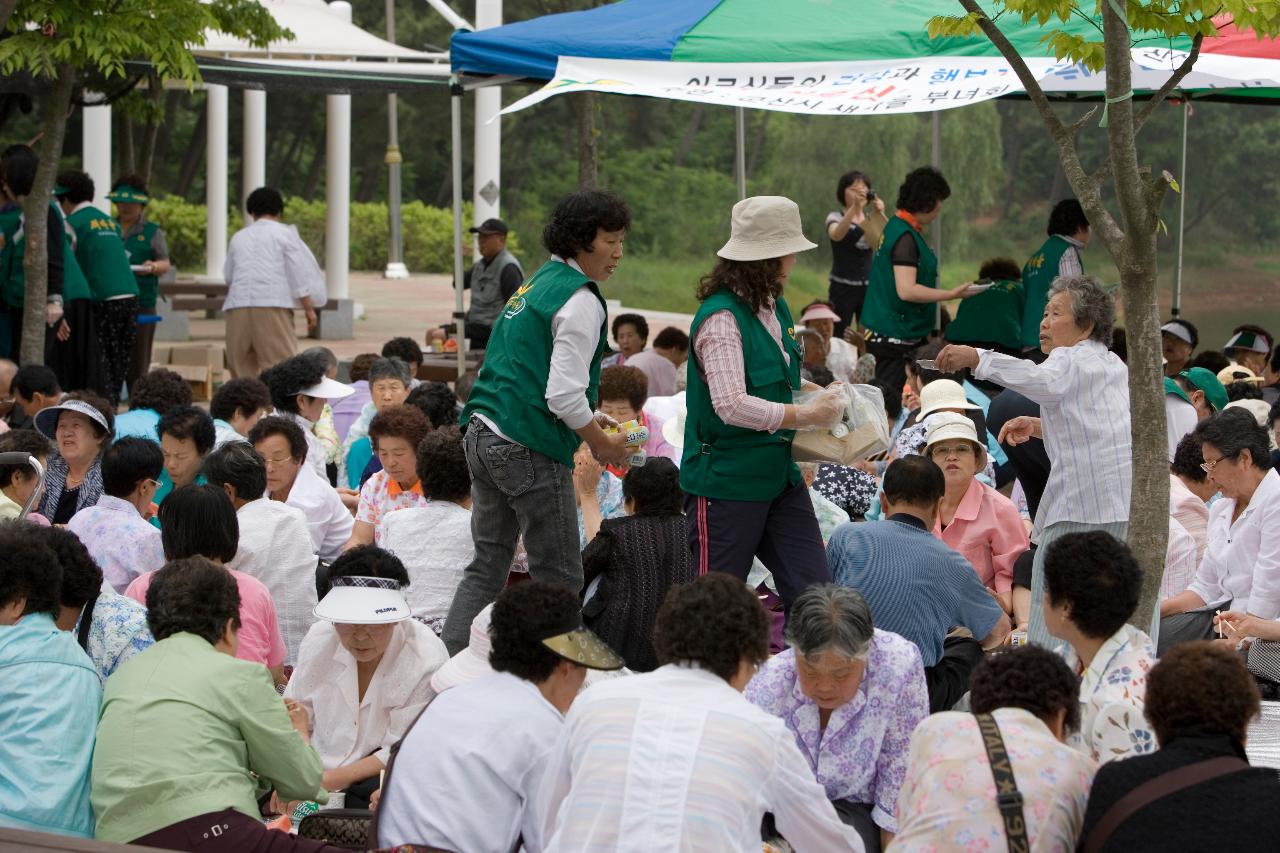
[
  {"x": 1264, "y": 659},
  {"x": 1008, "y": 797},
  {"x": 345, "y": 828}
]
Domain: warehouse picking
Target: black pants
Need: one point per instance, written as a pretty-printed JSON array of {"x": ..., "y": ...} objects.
[
  {"x": 77, "y": 361},
  {"x": 117, "y": 321},
  {"x": 891, "y": 363},
  {"x": 848, "y": 299},
  {"x": 948, "y": 679},
  {"x": 1030, "y": 461},
  {"x": 229, "y": 832},
  {"x": 856, "y": 815},
  {"x": 725, "y": 536}
]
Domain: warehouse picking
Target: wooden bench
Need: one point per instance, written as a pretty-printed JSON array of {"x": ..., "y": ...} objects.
[{"x": 186, "y": 294}]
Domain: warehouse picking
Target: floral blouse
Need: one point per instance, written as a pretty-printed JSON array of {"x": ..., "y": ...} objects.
[
  {"x": 851, "y": 489},
  {"x": 1112, "y": 693}
]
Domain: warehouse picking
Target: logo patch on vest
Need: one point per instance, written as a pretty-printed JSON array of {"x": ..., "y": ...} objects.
[{"x": 517, "y": 302}]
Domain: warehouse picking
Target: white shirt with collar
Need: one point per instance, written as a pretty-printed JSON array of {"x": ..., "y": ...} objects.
[
  {"x": 1083, "y": 392},
  {"x": 677, "y": 759},
  {"x": 326, "y": 515},
  {"x": 1241, "y": 561},
  {"x": 344, "y": 727},
  {"x": 468, "y": 770},
  {"x": 269, "y": 266}
]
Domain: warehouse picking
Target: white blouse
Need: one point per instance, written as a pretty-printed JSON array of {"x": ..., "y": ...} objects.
[
  {"x": 345, "y": 728},
  {"x": 435, "y": 544}
]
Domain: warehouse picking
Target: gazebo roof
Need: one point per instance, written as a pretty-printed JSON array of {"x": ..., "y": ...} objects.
[{"x": 318, "y": 34}]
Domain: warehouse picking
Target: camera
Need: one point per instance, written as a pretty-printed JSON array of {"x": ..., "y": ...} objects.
[{"x": 871, "y": 195}]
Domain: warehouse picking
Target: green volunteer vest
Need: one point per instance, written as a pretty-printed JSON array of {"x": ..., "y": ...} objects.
[
  {"x": 102, "y": 255},
  {"x": 74, "y": 284},
  {"x": 884, "y": 311},
  {"x": 992, "y": 317},
  {"x": 729, "y": 462},
  {"x": 140, "y": 251},
  {"x": 1038, "y": 273},
  {"x": 511, "y": 388}
]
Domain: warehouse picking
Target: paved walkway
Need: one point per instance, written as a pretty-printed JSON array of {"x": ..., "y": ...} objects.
[{"x": 406, "y": 307}]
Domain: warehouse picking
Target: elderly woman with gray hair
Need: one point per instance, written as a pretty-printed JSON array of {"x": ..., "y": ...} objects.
[
  {"x": 851, "y": 695},
  {"x": 1083, "y": 392}
]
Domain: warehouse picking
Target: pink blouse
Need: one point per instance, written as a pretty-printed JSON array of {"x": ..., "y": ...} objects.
[{"x": 988, "y": 532}]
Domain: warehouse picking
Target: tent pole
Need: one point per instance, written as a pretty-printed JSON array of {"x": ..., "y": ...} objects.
[
  {"x": 459, "y": 318},
  {"x": 935, "y": 160},
  {"x": 740, "y": 150},
  {"x": 215, "y": 193},
  {"x": 1182, "y": 210},
  {"x": 395, "y": 243}
]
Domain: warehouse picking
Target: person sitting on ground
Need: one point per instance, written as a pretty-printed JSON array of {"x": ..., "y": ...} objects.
[
  {"x": 299, "y": 391},
  {"x": 111, "y": 628},
  {"x": 434, "y": 539},
  {"x": 1178, "y": 341},
  {"x": 408, "y": 351},
  {"x": 213, "y": 728},
  {"x": 275, "y": 543},
  {"x": 18, "y": 482},
  {"x": 388, "y": 386},
  {"x": 974, "y": 519},
  {"x": 186, "y": 437},
  {"x": 80, "y": 428},
  {"x": 1190, "y": 490},
  {"x": 151, "y": 396},
  {"x": 631, "y": 335},
  {"x": 992, "y": 319},
  {"x": 623, "y": 392},
  {"x": 680, "y": 751},
  {"x": 1200, "y": 702},
  {"x": 1092, "y": 583},
  {"x": 851, "y": 695},
  {"x": 597, "y": 492},
  {"x": 850, "y": 489},
  {"x": 915, "y": 585},
  {"x": 1249, "y": 346},
  {"x": 437, "y": 401},
  {"x": 950, "y": 799},
  {"x": 673, "y": 345},
  {"x": 283, "y": 447},
  {"x": 937, "y": 393},
  {"x": 324, "y": 430},
  {"x": 396, "y": 433},
  {"x": 1241, "y": 565},
  {"x": 369, "y": 661},
  {"x": 348, "y": 409},
  {"x": 35, "y": 388},
  {"x": 842, "y": 358},
  {"x": 115, "y": 530},
  {"x": 11, "y": 414},
  {"x": 659, "y": 363},
  {"x": 49, "y": 696},
  {"x": 199, "y": 521},
  {"x": 631, "y": 563},
  {"x": 236, "y": 406},
  {"x": 1189, "y": 398},
  {"x": 468, "y": 770}
]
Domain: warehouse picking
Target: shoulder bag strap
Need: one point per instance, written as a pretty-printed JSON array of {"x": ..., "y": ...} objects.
[
  {"x": 386, "y": 776},
  {"x": 1008, "y": 797},
  {"x": 86, "y": 620},
  {"x": 1155, "y": 789}
]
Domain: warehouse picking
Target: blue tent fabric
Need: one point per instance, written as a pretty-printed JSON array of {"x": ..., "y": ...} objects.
[{"x": 631, "y": 29}]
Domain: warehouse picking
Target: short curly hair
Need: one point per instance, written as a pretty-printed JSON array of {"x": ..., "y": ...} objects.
[
  {"x": 442, "y": 465},
  {"x": 159, "y": 390},
  {"x": 922, "y": 189},
  {"x": 78, "y": 185},
  {"x": 1188, "y": 458},
  {"x": 189, "y": 422},
  {"x": 579, "y": 216},
  {"x": 1097, "y": 577},
  {"x": 621, "y": 382},
  {"x": 194, "y": 596},
  {"x": 287, "y": 379},
  {"x": 671, "y": 338},
  {"x": 81, "y": 576},
  {"x": 437, "y": 401},
  {"x": 655, "y": 487},
  {"x": 523, "y": 616},
  {"x": 369, "y": 561},
  {"x": 1233, "y": 431},
  {"x": 405, "y": 349},
  {"x": 1200, "y": 687},
  {"x": 1243, "y": 391},
  {"x": 104, "y": 408},
  {"x": 360, "y": 366},
  {"x": 392, "y": 367},
  {"x": 403, "y": 421},
  {"x": 1090, "y": 304},
  {"x": 28, "y": 569},
  {"x": 1000, "y": 269},
  {"x": 241, "y": 397},
  {"x": 264, "y": 201},
  {"x": 716, "y": 622},
  {"x": 637, "y": 320},
  {"x": 1027, "y": 677},
  {"x": 276, "y": 425}
]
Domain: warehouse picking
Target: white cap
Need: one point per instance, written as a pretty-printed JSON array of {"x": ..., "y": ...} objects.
[
  {"x": 354, "y": 600},
  {"x": 328, "y": 389}
]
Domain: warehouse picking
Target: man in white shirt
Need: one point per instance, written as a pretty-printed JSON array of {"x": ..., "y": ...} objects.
[
  {"x": 678, "y": 759},
  {"x": 468, "y": 769},
  {"x": 283, "y": 448},
  {"x": 269, "y": 272},
  {"x": 275, "y": 543}
]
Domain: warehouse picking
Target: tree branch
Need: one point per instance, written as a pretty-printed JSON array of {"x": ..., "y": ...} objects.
[{"x": 1169, "y": 85}]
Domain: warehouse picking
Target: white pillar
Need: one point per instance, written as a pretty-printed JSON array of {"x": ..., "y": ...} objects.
[
  {"x": 96, "y": 150},
  {"x": 337, "y": 194},
  {"x": 215, "y": 194},
  {"x": 487, "y": 180},
  {"x": 253, "y": 172}
]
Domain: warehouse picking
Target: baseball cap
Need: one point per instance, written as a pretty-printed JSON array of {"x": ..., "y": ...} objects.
[
  {"x": 490, "y": 226},
  {"x": 1251, "y": 341},
  {"x": 1203, "y": 379}
]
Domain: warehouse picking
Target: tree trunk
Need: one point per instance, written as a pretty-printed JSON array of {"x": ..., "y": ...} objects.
[
  {"x": 584, "y": 107},
  {"x": 151, "y": 130},
  {"x": 195, "y": 150},
  {"x": 35, "y": 210},
  {"x": 128, "y": 162},
  {"x": 690, "y": 134}
]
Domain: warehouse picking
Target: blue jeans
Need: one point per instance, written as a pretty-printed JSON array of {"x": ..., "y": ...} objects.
[{"x": 515, "y": 491}]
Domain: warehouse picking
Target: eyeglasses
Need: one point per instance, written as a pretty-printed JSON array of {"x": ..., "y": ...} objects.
[
  {"x": 949, "y": 450},
  {"x": 1209, "y": 464},
  {"x": 276, "y": 463}
]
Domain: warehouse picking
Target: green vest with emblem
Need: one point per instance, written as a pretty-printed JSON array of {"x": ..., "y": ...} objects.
[
  {"x": 511, "y": 389},
  {"x": 74, "y": 284},
  {"x": 140, "y": 249},
  {"x": 102, "y": 255},
  {"x": 1037, "y": 275},
  {"x": 885, "y": 312},
  {"x": 729, "y": 462}
]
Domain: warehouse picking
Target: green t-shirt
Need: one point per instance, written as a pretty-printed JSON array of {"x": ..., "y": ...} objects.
[{"x": 102, "y": 255}]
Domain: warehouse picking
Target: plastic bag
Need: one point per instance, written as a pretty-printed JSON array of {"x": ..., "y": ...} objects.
[{"x": 863, "y": 429}]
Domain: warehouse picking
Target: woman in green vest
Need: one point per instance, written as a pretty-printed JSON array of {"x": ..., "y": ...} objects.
[
  {"x": 901, "y": 307},
  {"x": 148, "y": 255},
  {"x": 1068, "y": 232},
  {"x": 744, "y": 496}
]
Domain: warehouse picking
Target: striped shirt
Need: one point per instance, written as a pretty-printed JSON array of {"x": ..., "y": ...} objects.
[
  {"x": 1083, "y": 392},
  {"x": 718, "y": 346}
]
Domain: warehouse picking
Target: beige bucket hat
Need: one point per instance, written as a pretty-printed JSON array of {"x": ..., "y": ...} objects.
[{"x": 763, "y": 227}]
